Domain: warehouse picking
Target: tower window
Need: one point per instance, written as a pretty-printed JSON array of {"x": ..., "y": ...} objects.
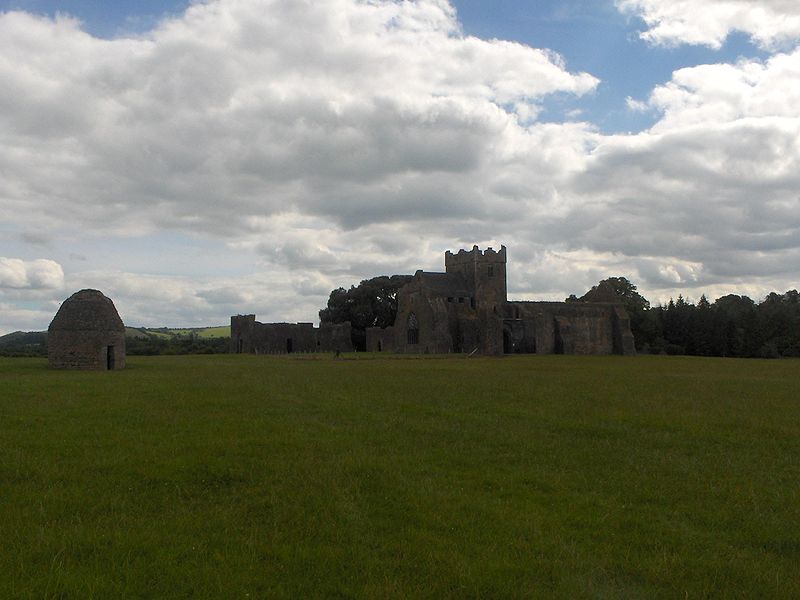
[{"x": 491, "y": 270}]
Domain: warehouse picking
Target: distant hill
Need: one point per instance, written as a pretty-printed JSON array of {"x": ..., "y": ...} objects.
[
  {"x": 24, "y": 343},
  {"x": 140, "y": 340},
  {"x": 222, "y": 331},
  {"x": 168, "y": 340}
]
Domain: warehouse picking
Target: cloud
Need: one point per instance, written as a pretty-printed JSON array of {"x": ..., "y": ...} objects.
[
  {"x": 714, "y": 184},
  {"x": 170, "y": 300},
  {"x": 360, "y": 112},
  {"x": 18, "y": 274},
  {"x": 769, "y": 23}
]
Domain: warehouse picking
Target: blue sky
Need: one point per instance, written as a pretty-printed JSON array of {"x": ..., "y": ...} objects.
[{"x": 253, "y": 157}]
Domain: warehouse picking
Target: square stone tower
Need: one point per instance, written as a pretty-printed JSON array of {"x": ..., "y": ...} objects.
[{"x": 484, "y": 272}]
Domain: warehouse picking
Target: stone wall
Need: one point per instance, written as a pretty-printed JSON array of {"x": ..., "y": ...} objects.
[
  {"x": 86, "y": 350},
  {"x": 248, "y": 336},
  {"x": 381, "y": 339},
  {"x": 335, "y": 337},
  {"x": 566, "y": 328}
]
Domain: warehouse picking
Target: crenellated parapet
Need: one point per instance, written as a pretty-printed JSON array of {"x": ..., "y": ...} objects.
[{"x": 463, "y": 257}]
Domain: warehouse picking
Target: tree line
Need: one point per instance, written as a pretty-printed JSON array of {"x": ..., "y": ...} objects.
[{"x": 732, "y": 325}]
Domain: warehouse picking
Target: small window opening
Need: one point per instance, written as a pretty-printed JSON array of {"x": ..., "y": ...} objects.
[
  {"x": 413, "y": 329},
  {"x": 461, "y": 300},
  {"x": 491, "y": 270}
]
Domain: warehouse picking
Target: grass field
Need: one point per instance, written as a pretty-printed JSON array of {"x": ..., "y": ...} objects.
[{"x": 299, "y": 477}]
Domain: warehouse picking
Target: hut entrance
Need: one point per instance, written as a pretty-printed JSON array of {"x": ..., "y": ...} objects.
[
  {"x": 289, "y": 348},
  {"x": 507, "y": 348},
  {"x": 110, "y": 358},
  {"x": 380, "y": 346}
]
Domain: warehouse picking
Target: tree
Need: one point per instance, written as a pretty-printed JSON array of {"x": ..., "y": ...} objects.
[
  {"x": 627, "y": 291},
  {"x": 701, "y": 328},
  {"x": 644, "y": 326},
  {"x": 372, "y": 303}
]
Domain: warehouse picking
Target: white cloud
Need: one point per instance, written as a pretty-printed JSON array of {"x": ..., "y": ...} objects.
[
  {"x": 636, "y": 105},
  {"x": 360, "y": 112},
  {"x": 41, "y": 274},
  {"x": 713, "y": 186},
  {"x": 769, "y": 23}
]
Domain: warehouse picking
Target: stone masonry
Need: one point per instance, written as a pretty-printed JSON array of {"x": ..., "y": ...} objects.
[
  {"x": 248, "y": 336},
  {"x": 465, "y": 309},
  {"x": 86, "y": 333}
]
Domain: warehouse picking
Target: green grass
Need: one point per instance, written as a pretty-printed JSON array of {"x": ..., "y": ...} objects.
[{"x": 298, "y": 477}]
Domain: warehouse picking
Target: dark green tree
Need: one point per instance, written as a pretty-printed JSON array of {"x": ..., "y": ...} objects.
[{"x": 372, "y": 303}]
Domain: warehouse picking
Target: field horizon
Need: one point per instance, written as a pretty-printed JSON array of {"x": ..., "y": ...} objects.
[{"x": 395, "y": 477}]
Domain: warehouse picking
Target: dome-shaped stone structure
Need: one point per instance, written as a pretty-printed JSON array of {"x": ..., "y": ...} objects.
[{"x": 86, "y": 333}]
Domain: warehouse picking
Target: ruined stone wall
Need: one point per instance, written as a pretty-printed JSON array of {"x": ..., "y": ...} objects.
[
  {"x": 445, "y": 323},
  {"x": 381, "y": 339},
  {"x": 567, "y": 328},
  {"x": 242, "y": 334},
  {"x": 490, "y": 333},
  {"x": 623, "y": 336},
  {"x": 414, "y": 307},
  {"x": 284, "y": 338},
  {"x": 248, "y": 336},
  {"x": 335, "y": 337}
]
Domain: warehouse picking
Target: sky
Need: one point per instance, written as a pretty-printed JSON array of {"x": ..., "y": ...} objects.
[{"x": 195, "y": 160}]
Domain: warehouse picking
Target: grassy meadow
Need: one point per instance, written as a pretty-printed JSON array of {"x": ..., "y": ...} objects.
[{"x": 382, "y": 477}]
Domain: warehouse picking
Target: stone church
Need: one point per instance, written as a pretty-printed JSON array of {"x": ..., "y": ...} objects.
[{"x": 466, "y": 310}]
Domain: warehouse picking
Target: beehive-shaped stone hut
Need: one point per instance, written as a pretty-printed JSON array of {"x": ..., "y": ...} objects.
[{"x": 86, "y": 333}]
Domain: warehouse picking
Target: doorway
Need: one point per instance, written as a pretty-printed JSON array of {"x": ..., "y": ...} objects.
[
  {"x": 110, "y": 358},
  {"x": 289, "y": 348}
]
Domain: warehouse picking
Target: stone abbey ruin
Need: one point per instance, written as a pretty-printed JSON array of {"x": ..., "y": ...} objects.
[
  {"x": 86, "y": 333},
  {"x": 251, "y": 337},
  {"x": 463, "y": 310}
]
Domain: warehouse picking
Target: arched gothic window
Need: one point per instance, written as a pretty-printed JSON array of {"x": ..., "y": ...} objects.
[{"x": 413, "y": 329}]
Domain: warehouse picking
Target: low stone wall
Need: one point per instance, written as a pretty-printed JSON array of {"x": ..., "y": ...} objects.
[
  {"x": 381, "y": 339},
  {"x": 248, "y": 336}
]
